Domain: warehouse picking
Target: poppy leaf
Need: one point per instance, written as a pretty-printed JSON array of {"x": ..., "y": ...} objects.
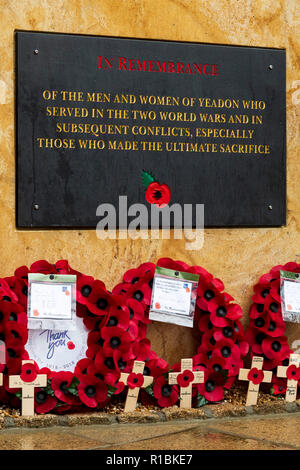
[
  {"x": 111, "y": 391},
  {"x": 149, "y": 390},
  {"x": 147, "y": 178},
  {"x": 201, "y": 401},
  {"x": 19, "y": 395}
]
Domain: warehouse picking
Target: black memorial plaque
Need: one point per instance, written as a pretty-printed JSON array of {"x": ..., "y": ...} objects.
[{"x": 94, "y": 112}]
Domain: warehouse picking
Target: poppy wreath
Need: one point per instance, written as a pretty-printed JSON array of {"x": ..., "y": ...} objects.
[
  {"x": 265, "y": 333},
  {"x": 117, "y": 323}
]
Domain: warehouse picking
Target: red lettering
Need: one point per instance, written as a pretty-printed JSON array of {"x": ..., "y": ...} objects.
[
  {"x": 215, "y": 69},
  {"x": 152, "y": 66},
  {"x": 180, "y": 67},
  {"x": 141, "y": 66},
  {"x": 108, "y": 62},
  {"x": 197, "y": 69},
  {"x": 204, "y": 69},
  {"x": 131, "y": 64},
  {"x": 122, "y": 62},
  {"x": 171, "y": 67},
  {"x": 161, "y": 67}
]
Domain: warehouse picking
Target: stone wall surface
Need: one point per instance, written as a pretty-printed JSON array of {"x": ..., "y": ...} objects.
[{"x": 237, "y": 256}]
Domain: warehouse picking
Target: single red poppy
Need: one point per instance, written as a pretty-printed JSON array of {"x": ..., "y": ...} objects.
[
  {"x": 212, "y": 388},
  {"x": 118, "y": 316},
  {"x": 132, "y": 276},
  {"x": 158, "y": 194},
  {"x": 185, "y": 378},
  {"x": 135, "y": 380},
  {"x": 221, "y": 313},
  {"x": 43, "y": 402},
  {"x": 60, "y": 383},
  {"x": 42, "y": 266},
  {"x": 84, "y": 287},
  {"x": 279, "y": 386},
  {"x": 140, "y": 292},
  {"x": 116, "y": 339},
  {"x": 62, "y": 266},
  {"x": 22, "y": 272},
  {"x": 82, "y": 366},
  {"x": 28, "y": 372},
  {"x": 293, "y": 372},
  {"x": 255, "y": 376},
  {"x": 275, "y": 348},
  {"x": 92, "y": 391},
  {"x": 156, "y": 367},
  {"x": 99, "y": 300},
  {"x": 142, "y": 349},
  {"x": 166, "y": 395}
]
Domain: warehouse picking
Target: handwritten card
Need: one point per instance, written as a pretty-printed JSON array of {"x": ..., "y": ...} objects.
[
  {"x": 51, "y": 301},
  {"x": 173, "y": 297},
  {"x": 290, "y": 296}
]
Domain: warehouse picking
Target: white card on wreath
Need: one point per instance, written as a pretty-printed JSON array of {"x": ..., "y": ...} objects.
[
  {"x": 173, "y": 297},
  {"x": 290, "y": 296},
  {"x": 51, "y": 301}
]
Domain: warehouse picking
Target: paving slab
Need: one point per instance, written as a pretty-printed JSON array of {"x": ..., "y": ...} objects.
[
  {"x": 253, "y": 432},
  {"x": 283, "y": 430}
]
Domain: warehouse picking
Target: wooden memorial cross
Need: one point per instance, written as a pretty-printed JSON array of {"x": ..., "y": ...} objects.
[
  {"x": 142, "y": 381},
  {"x": 292, "y": 384},
  {"x": 15, "y": 381},
  {"x": 191, "y": 377},
  {"x": 255, "y": 376}
]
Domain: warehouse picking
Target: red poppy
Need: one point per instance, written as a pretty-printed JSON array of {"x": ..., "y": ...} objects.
[
  {"x": 221, "y": 313},
  {"x": 99, "y": 300},
  {"x": 92, "y": 391},
  {"x": 22, "y": 272},
  {"x": 132, "y": 276},
  {"x": 175, "y": 265},
  {"x": 115, "y": 339},
  {"x": 7, "y": 294},
  {"x": 158, "y": 194},
  {"x": 20, "y": 288},
  {"x": 43, "y": 403},
  {"x": 62, "y": 266},
  {"x": 293, "y": 372},
  {"x": 140, "y": 292},
  {"x": 14, "y": 330},
  {"x": 255, "y": 376},
  {"x": 262, "y": 291},
  {"x": 275, "y": 348},
  {"x": 12, "y": 312},
  {"x": 60, "y": 383},
  {"x": 29, "y": 372},
  {"x": 137, "y": 311},
  {"x": 156, "y": 367},
  {"x": 82, "y": 366},
  {"x": 279, "y": 386},
  {"x": 212, "y": 388},
  {"x": 42, "y": 266},
  {"x": 135, "y": 380},
  {"x": 84, "y": 287},
  {"x": 166, "y": 395},
  {"x": 118, "y": 316},
  {"x": 142, "y": 350},
  {"x": 185, "y": 378},
  {"x": 121, "y": 289}
]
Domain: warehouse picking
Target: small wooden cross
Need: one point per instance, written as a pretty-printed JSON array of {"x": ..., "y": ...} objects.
[
  {"x": 291, "y": 389},
  {"x": 15, "y": 381},
  {"x": 253, "y": 389},
  {"x": 186, "y": 392},
  {"x": 133, "y": 393}
]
